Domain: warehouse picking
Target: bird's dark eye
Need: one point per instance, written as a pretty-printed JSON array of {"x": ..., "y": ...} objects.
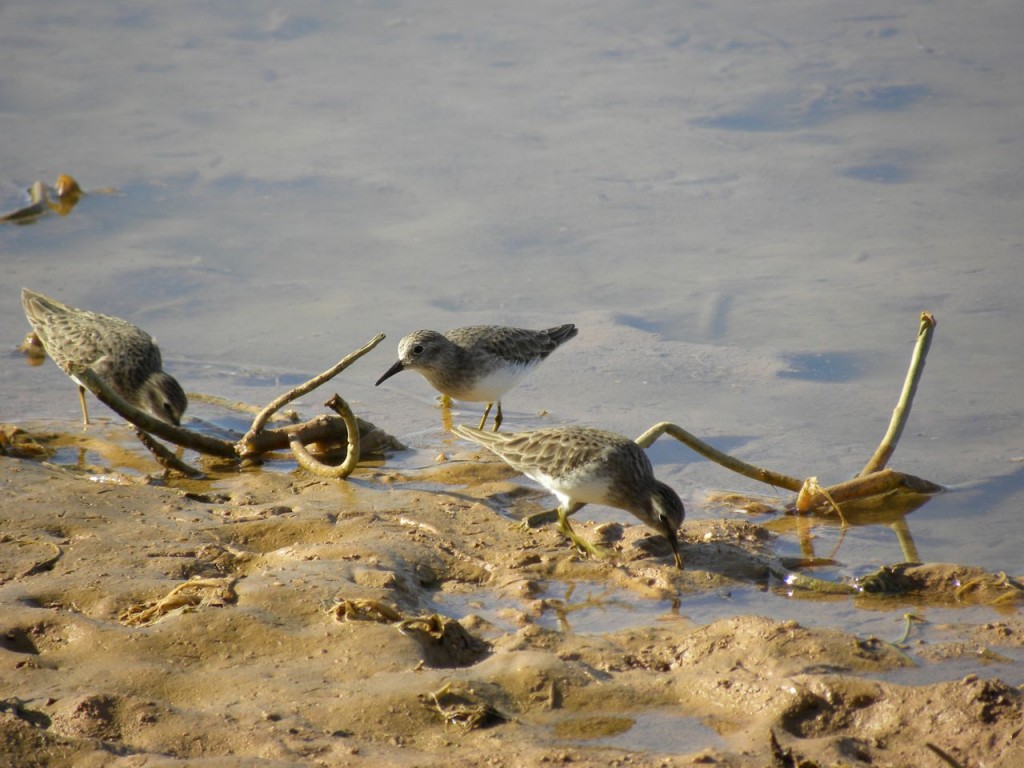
[{"x": 418, "y": 349}]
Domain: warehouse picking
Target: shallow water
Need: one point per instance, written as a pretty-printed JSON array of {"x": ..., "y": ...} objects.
[
  {"x": 744, "y": 209},
  {"x": 661, "y": 731}
]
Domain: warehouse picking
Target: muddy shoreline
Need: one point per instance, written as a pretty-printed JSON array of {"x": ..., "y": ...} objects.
[{"x": 274, "y": 619}]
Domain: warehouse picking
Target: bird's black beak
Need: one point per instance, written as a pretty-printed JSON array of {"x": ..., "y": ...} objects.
[
  {"x": 673, "y": 540},
  {"x": 390, "y": 372}
]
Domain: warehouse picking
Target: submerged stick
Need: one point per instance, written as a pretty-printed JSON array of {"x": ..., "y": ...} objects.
[
  {"x": 165, "y": 458},
  {"x": 235, "y": 405},
  {"x": 791, "y": 578},
  {"x": 264, "y": 415},
  {"x": 907, "y": 545},
  {"x": 901, "y": 412}
]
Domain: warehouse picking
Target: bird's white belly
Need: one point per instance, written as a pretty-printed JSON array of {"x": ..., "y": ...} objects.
[
  {"x": 580, "y": 490},
  {"x": 490, "y": 388}
]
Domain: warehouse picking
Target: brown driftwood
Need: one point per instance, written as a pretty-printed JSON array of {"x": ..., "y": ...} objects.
[
  {"x": 874, "y": 480},
  {"x": 862, "y": 486},
  {"x": 360, "y": 436}
]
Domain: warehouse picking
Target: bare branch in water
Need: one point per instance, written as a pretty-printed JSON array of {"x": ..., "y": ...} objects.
[
  {"x": 873, "y": 480},
  {"x": 186, "y": 438},
  {"x": 165, "y": 458},
  {"x": 360, "y": 435},
  {"x": 862, "y": 486},
  {"x": 902, "y": 411},
  {"x": 317, "y": 381}
]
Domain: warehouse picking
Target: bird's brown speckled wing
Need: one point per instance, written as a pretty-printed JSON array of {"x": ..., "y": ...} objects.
[
  {"x": 76, "y": 337},
  {"x": 557, "y": 451},
  {"x": 517, "y": 345}
]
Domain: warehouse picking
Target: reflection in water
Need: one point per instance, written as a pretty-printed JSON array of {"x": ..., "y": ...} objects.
[
  {"x": 888, "y": 509},
  {"x": 599, "y": 607},
  {"x": 664, "y": 731}
]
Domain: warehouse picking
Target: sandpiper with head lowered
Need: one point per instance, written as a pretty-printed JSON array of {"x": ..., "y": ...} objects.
[
  {"x": 124, "y": 356},
  {"x": 582, "y": 465},
  {"x": 478, "y": 363}
]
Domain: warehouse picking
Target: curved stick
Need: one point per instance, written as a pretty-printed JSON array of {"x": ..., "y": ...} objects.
[
  {"x": 740, "y": 467},
  {"x": 310, "y": 464},
  {"x": 260, "y": 421}
]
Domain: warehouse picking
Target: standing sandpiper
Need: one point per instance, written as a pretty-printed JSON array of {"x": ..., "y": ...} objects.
[
  {"x": 581, "y": 465},
  {"x": 125, "y": 356},
  {"x": 479, "y": 363}
]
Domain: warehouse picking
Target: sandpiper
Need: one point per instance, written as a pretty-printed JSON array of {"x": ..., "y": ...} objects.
[
  {"x": 582, "y": 465},
  {"x": 125, "y": 356},
  {"x": 478, "y": 363}
]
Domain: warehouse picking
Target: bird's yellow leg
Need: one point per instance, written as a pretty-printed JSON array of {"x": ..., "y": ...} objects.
[
  {"x": 497, "y": 418},
  {"x": 446, "y": 412},
  {"x": 85, "y": 411},
  {"x": 537, "y": 519},
  {"x": 487, "y": 410},
  {"x": 581, "y": 544}
]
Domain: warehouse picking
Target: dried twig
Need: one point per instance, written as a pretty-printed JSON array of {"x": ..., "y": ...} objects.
[
  {"x": 165, "y": 458},
  {"x": 902, "y": 411},
  {"x": 792, "y": 578},
  {"x": 317, "y": 381}
]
